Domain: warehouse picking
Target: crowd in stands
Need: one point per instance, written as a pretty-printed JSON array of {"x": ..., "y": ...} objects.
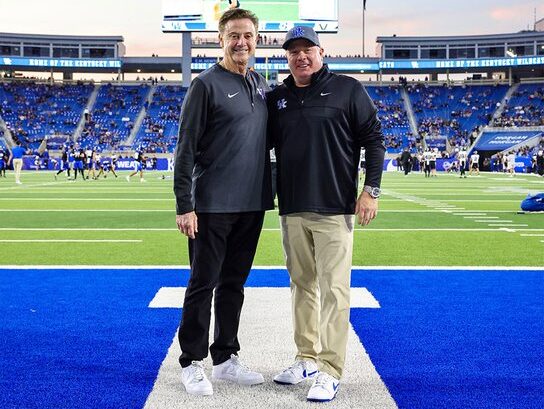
[
  {"x": 395, "y": 125},
  {"x": 159, "y": 130},
  {"x": 454, "y": 112},
  {"x": 113, "y": 116},
  {"x": 34, "y": 111},
  {"x": 525, "y": 108}
]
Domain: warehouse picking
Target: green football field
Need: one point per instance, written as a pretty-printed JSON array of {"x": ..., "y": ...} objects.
[{"x": 443, "y": 221}]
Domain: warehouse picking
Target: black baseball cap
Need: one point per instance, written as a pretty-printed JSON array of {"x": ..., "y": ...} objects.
[{"x": 300, "y": 32}]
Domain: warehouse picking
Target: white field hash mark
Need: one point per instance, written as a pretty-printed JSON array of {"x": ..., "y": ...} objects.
[{"x": 267, "y": 346}]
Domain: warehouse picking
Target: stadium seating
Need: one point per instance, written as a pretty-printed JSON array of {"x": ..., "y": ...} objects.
[
  {"x": 454, "y": 111},
  {"x": 525, "y": 107},
  {"x": 395, "y": 125},
  {"x": 446, "y": 116},
  {"x": 113, "y": 116},
  {"x": 159, "y": 131},
  {"x": 33, "y": 111}
]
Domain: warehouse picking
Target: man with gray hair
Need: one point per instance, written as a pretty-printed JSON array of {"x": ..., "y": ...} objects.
[{"x": 222, "y": 187}]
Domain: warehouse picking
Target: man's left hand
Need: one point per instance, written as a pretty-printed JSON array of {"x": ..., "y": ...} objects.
[{"x": 366, "y": 208}]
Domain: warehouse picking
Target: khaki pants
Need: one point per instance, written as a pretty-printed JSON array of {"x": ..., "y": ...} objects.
[
  {"x": 318, "y": 254},
  {"x": 17, "y": 166}
]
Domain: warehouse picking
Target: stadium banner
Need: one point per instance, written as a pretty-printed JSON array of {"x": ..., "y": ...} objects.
[
  {"x": 274, "y": 15},
  {"x": 462, "y": 64},
  {"x": 167, "y": 164},
  {"x": 280, "y": 64},
  {"x": 60, "y": 62},
  {"x": 499, "y": 141},
  {"x": 30, "y": 163}
]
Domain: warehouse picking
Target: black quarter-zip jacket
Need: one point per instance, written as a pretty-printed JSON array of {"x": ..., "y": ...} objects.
[
  {"x": 318, "y": 140},
  {"x": 222, "y": 163}
]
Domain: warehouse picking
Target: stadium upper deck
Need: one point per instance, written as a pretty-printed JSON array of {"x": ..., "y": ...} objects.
[{"x": 516, "y": 54}]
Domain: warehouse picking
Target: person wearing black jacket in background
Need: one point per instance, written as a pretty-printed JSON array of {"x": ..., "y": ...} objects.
[
  {"x": 406, "y": 160},
  {"x": 318, "y": 122},
  {"x": 222, "y": 187}
]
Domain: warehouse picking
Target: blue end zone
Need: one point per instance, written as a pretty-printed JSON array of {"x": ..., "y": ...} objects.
[
  {"x": 456, "y": 339},
  {"x": 441, "y": 339}
]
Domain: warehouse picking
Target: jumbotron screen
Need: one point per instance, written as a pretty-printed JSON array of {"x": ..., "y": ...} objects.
[{"x": 274, "y": 15}]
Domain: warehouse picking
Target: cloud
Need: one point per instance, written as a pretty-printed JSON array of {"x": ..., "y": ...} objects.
[{"x": 511, "y": 13}]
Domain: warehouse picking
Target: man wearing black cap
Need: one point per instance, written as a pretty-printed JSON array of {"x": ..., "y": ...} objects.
[{"x": 318, "y": 122}]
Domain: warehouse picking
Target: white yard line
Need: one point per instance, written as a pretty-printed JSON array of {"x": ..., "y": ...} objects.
[
  {"x": 70, "y": 241},
  {"x": 86, "y": 210},
  {"x": 81, "y": 199},
  {"x": 267, "y": 349},
  {"x": 508, "y": 225},
  {"x": 265, "y": 229}
]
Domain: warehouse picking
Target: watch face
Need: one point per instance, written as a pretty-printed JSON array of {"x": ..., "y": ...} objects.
[{"x": 375, "y": 192}]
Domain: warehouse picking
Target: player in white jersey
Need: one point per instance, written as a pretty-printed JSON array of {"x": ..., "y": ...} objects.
[
  {"x": 511, "y": 164},
  {"x": 427, "y": 157},
  {"x": 434, "y": 155},
  {"x": 474, "y": 163},
  {"x": 462, "y": 157}
]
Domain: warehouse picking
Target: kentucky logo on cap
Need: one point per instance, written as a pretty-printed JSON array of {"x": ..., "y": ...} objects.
[{"x": 297, "y": 32}]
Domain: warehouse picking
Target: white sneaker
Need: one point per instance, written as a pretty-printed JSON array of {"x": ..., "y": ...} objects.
[
  {"x": 142, "y": 180},
  {"x": 296, "y": 373},
  {"x": 128, "y": 178},
  {"x": 235, "y": 371},
  {"x": 18, "y": 182},
  {"x": 324, "y": 388},
  {"x": 195, "y": 381}
]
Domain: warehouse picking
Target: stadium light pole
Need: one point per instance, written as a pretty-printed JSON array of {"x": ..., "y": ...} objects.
[{"x": 364, "y": 9}]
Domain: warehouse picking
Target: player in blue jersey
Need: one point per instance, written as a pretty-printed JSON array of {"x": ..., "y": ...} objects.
[
  {"x": 79, "y": 159},
  {"x": 3, "y": 160},
  {"x": 139, "y": 165}
]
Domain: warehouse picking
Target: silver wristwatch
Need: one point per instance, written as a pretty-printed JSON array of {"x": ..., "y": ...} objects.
[{"x": 372, "y": 191}]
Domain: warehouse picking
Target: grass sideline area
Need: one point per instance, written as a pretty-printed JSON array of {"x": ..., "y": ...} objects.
[{"x": 442, "y": 221}]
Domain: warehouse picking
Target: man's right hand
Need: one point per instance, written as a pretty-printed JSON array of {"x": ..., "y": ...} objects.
[{"x": 187, "y": 224}]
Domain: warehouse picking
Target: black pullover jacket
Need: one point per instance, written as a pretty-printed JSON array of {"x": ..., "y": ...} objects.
[{"x": 318, "y": 139}]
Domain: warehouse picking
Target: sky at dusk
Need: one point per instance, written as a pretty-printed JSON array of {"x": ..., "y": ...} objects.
[{"x": 138, "y": 21}]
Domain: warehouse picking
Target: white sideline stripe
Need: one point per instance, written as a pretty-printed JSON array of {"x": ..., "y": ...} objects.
[
  {"x": 172, "y": 297},
  {"x": 532, "y": 235},
  {"x": 70, "y": 241},
  {"x": 480, "y": 217},
  {"x": 266, "y": 346},
  {"x": 280, "y": 267}
]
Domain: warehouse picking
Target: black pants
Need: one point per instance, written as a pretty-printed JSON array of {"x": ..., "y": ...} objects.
[
  {"x": 407, "y": 167},
  {"x": 221, "y": 256}
]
